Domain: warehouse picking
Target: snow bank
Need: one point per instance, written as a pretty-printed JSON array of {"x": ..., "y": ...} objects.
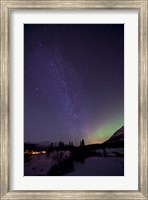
[{"x": 39, "y": 165}]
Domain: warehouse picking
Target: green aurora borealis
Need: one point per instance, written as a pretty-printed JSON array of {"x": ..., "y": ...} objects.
[{"x": 73, "y": 82}]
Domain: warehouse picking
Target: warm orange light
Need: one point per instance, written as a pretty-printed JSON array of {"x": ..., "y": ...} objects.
[
  {"x": 35, "y": 152},
  {"x": 43, "y": 151}
]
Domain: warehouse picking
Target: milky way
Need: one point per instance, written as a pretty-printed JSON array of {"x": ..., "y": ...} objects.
[{"x": 73, "y": 82}]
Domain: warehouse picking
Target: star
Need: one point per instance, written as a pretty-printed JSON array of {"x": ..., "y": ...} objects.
[{"x": 74, "y": 81}]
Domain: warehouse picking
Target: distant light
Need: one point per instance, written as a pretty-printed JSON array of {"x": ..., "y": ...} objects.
[
  {"x": 42, "y": 151},
  {"x": 35, "y": 152}
]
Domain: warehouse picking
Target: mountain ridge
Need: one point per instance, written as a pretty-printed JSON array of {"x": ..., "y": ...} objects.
[{"x": 118, "y": 136}]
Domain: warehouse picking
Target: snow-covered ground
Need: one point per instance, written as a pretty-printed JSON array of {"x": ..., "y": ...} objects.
[
  {"x": 39, "y": 165},
  {"x": 115, "y": 151},
  {"x": 99, "y": 166},
  {"x": 112, "y": 165}
]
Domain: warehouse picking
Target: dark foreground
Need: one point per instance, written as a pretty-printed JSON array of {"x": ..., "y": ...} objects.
[{"x": 101, "y": 162}]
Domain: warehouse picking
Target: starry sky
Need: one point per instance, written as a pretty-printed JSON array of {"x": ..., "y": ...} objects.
[{"x": 73, "y": 82}]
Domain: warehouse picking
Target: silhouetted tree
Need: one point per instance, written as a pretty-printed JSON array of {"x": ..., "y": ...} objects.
[
  {"x": 82, "y": 143},
  {"x": 51, "y": 146},
  {"x": 61, "y": 145},
  {"x": 71, "y": 143}
]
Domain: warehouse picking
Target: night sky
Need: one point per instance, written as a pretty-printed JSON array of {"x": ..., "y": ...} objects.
[{"x": 73, "y": 82}]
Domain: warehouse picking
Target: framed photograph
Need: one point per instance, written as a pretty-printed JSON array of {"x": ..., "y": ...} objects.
[{"x": 74, "y": 99}]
